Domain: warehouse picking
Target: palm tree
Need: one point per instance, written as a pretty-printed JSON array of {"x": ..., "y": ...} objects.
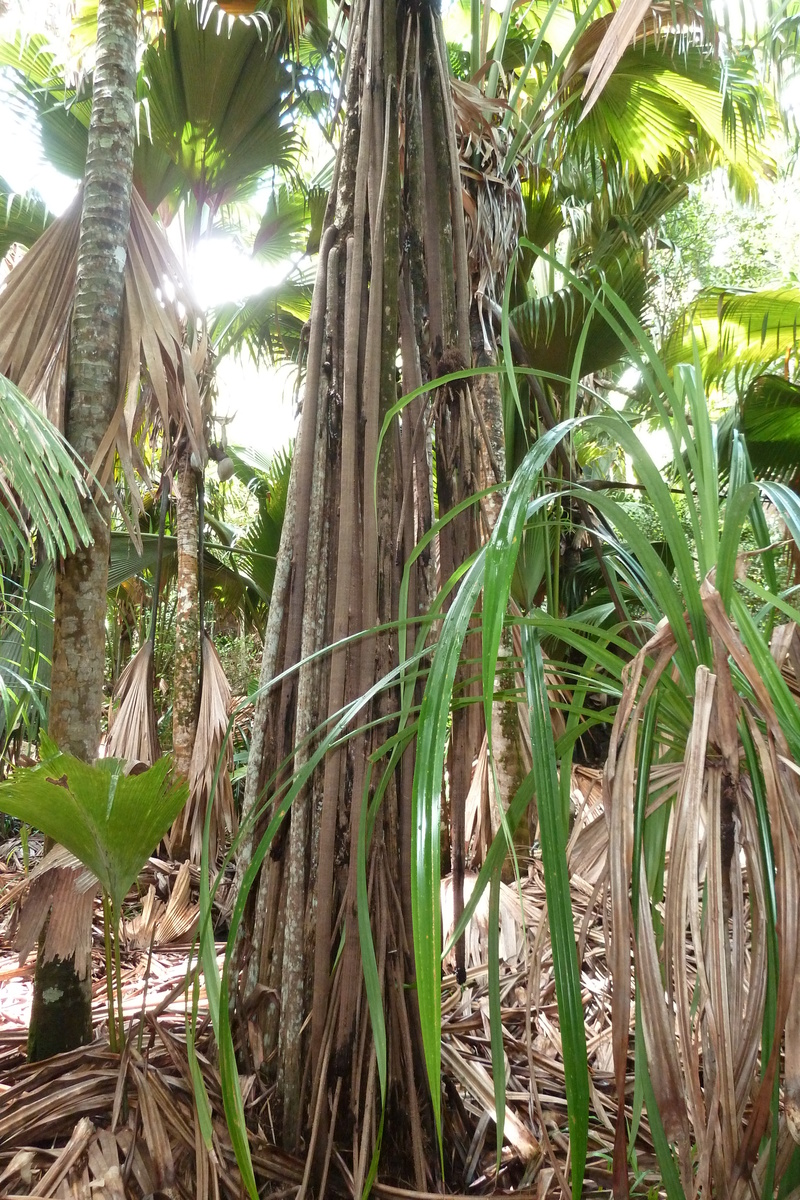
[
  {"x": 374, "y": 292},
  {"x": 394, "y": 291},
  {"x": 61, "y": 1014},
  {"x": 339, "y": 572},
  {"x": 238, "y": 132}
]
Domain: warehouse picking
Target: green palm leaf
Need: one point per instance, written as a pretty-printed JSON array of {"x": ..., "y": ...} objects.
[
  {"x": 22, "y": 218},
  {"x": 269, "y": 480},
  {"x": 672, "y": 112},
  {"x": 550, "y": 327},
  {"x": 737, "y": 331},
  {"x": 768, "y": 415},
  {"x": 109, "y": 820},
  {"x": 609, "y": 252},
  {"x": 40, "y": 93},
  {"x": 269, "y": 324},
  {"x": 212, "y": 97},
  {"x": 41, "y": 485},
  {"x": 283, "y": 229},
  {"x": 26, "y": 644}
]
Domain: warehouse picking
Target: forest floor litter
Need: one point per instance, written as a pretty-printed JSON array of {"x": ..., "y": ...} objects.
[{"x": 94, "y": 1126}]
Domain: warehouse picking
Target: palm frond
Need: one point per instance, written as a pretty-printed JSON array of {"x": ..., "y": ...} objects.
[
  {"x": 212, "y": 96},
  {"x": 26, "y": 647},
  {"x": 39, "y": 92},
  {"x": 768, "y": 416},
  {"x": 739, "y": 333},
  {"x": 269, "y": 480},
  {"x": 23, "y": 218},
  {"x": 286, "y": 223},
  {"x": 34, "y": 335},
  {"x": 550, "y": 326},
  {"x": 671, "y": 113},
  {"x": 269, "y": 325},
  {"x": 133, "y": 734},
  {"x": 210, "y": 745},
  {"x": 41, "y": 484}
]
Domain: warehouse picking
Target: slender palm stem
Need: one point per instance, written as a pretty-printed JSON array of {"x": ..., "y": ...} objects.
[
  {"x": 112, "y": 1028},
  {"x": 118, "y": 973}
]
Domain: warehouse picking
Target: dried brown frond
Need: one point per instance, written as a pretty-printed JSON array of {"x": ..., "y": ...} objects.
[
  {"x": 510, "y": 722},
  {"x": 517, "y": 912},
  {"x": 42, "y": 1105},
  {"x": 62, "y": 889},
  {"x": 535, "y": 1154},
  {"x": 702, "y": 981},
  {"x": 494, "y": 214},
  {"x": 35, "y": 314},
  {"x": 212, "y": 727},
  {"x": 133, "y": 734},
  {"x": 64, "y": 1129},
  {"x": 158, "y": 923}
]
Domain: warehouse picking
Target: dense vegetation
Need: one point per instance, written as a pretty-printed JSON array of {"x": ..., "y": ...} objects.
[{"x": 540, "y": 518}]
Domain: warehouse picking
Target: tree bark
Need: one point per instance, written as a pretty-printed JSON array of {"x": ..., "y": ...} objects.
[
  {"x": 61, "y": 1016},
  {"x": 392, "y": 267},
  {"x": 187, "y": 620}
]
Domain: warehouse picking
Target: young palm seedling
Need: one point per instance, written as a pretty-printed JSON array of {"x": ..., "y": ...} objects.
[{"x": 108, "y": 820}]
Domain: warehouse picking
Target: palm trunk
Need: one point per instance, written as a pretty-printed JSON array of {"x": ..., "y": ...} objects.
[
  {"x": 340, "y": 574},
  {"x": 187, "y": 619},
  {"x": 61, "y": 1017}
]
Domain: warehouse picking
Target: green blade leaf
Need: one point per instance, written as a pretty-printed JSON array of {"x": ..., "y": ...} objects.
[{"x": 559, "y": 906}]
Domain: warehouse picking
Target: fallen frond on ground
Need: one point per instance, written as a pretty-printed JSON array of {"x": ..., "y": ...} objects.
[{"x": 64, "y": 1124}]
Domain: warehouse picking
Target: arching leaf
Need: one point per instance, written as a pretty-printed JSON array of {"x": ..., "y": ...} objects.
[
  {"x": 23, "y": 218},
  {"x": 41, "y": 483},
  {"x": 109, "y": 820}
]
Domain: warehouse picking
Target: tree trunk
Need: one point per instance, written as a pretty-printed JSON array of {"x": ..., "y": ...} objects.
[
  {"x": 339, "y": 575},
  {"x": 187, "y": 620},
  {"x": 61, "y": 1017}
]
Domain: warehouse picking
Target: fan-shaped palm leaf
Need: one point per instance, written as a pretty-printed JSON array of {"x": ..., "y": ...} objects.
[
  {"x": 659, "y": 111},
  {"x": 269, "y": 481},
  {"x": 26, "y": 643},
  {"x": 612, "y": 36},
  {"x": 295, "y": 14},
  {"x": 550, "y": 326},
  {"x": 768, "y": 415},
  {"x": 292, "y": 218},
  {"x": 109, "y": 820},
  {"x": 770, "y": 422},
  {"x": 39, "y": 90},
  {"x": 269, "y": 324},
  {"x": 239, "y": 577},
  {"x": 738, "y": 332},
  {"x": 212, "y": 99},
  {"x": 34, "y": 336},
  {"x": 133, "y": 735}
]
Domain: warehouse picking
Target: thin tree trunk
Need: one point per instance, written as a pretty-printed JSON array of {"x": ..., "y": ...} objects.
[
  {"x": 61, "y": 1016},
  {"x": 187, "y": 619}
]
